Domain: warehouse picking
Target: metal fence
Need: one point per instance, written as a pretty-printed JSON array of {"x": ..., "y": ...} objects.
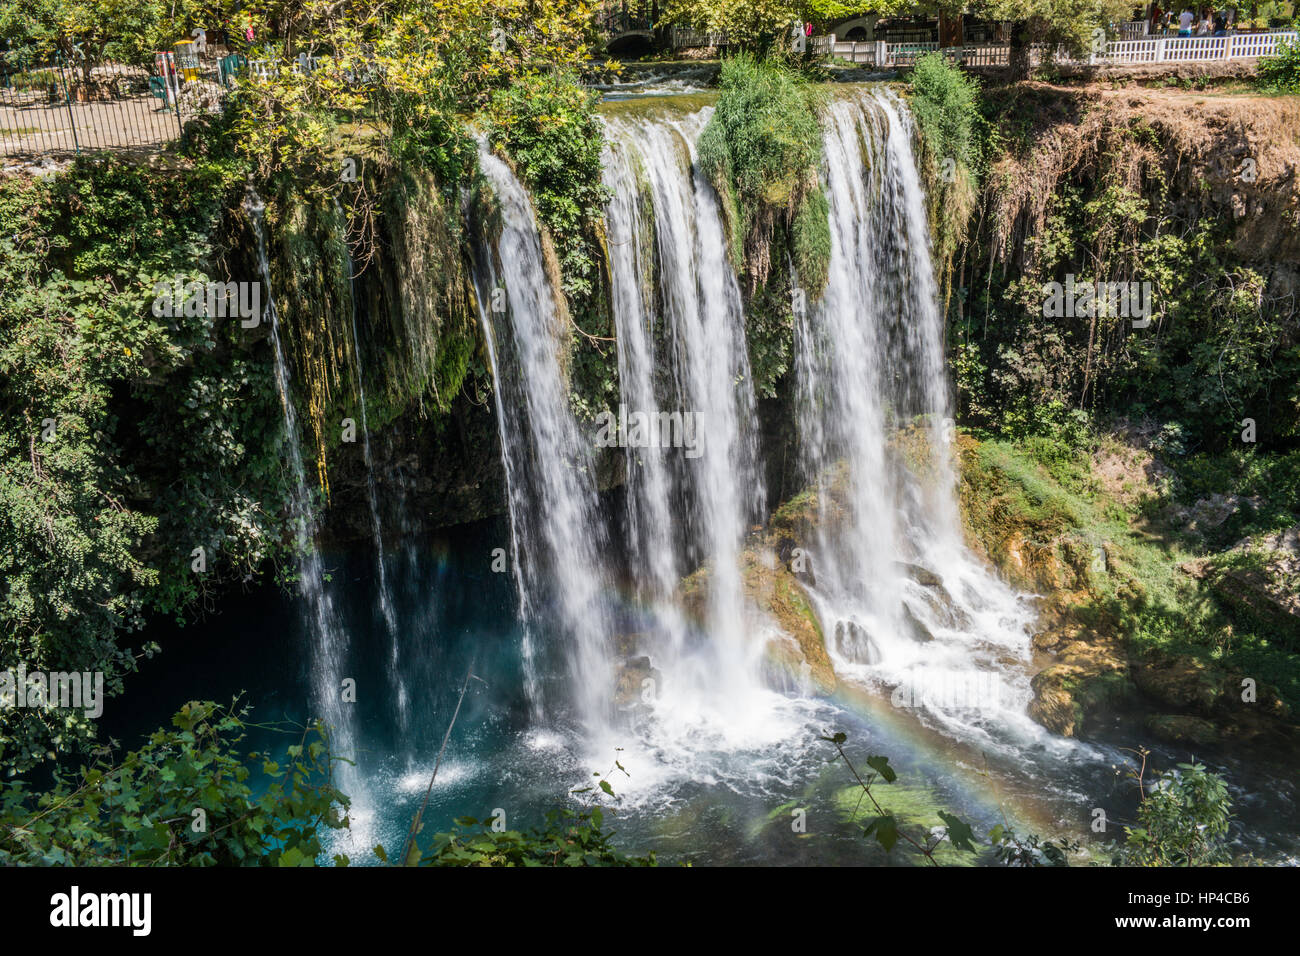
[
  {"x": 685, "y": 38},
  {"x": 58, "y": 107},
  {"x": 618, "y": 18},
  {"x": 1151, "y": 50}
]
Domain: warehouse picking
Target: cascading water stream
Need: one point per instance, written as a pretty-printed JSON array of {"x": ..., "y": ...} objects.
[
  {"x": 682, "y": 351},
  {"x": 903, "y": 605},
  {"x": 560, "y": 551},
  {"x": 329, "y": 638},
  {"x": 931, "y": 653},
  {"x": 651, "y": 483},
  {"x": 385, "y": 594}
]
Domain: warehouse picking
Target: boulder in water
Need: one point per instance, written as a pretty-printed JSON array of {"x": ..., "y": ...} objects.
[
  {"x": 945, "y": 610},
  {"x": 853, "y": 643},
  {"x": 1183, "y": 729},
  {"x": 922, "y": 576},
  {"x": 915, "y": 628},
  {"x": 797, "y": 560},
  {"x": 631, "y": 686}
]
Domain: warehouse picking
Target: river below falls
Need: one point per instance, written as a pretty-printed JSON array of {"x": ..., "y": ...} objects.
[{"x": 714, "y": 795}]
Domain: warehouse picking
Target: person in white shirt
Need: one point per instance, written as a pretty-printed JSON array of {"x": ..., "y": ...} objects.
[{"x": 1185, "y": 23}]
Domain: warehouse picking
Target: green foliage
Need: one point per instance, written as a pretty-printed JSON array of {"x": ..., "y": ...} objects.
[
  {"x": 1268, "y": 484},
  {"x": 182, "y": 799},
  {"x": 1052, "y": 434},
  {"x": 810, "y": 244},
  {"x": 88, "y": 31},
  {"x": 1182, "y": 821},
  {"x": 1219, "y": 347},
  {"x": 1280, "y": 73},
  {"x": 1038, "y": 490},
  {"x": 547, "y": 125},
  {"x": 884, "y": 825},
  {"x": 945, "y": 103},
  {"x": 126, "y": 439},
  {"x": 570, "y": 837},
  {"x": 761, "y": 149},
  {"x": 762, "y": 144},
  {"x": 395, "y": 79},
  {"x": 1073, "y": 23},
  {"x": 1010, "y": 849},
  {"x": 764, "y": 25}
]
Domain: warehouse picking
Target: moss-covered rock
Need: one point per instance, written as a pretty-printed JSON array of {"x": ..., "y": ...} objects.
[
  {"x": 797, "y": 649},
  {"x": 1181, "y": 729},
  {"x": 1131, "y": 623}
]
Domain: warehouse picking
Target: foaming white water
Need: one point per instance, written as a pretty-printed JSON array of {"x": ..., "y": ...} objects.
[
  {"x": 905, "y": 607},
  {"x": 415, "y": 780},
  {"x": 559, "y": 547},
  {"x": 762, "y": 746},
  {"x": 682, "y": 349}
]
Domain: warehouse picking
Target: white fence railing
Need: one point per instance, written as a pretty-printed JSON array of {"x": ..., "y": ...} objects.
[
  {"x": 1146, "y": 50},
  {"x": 684, "y": 38},
  {"x": 856, "y": 52}
]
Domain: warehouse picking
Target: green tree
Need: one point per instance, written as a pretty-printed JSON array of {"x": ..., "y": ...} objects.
[
  {"x": 84, "y": 32},
  {"x": 1182, "y": 821},
  {"x": 1077, "y": 24},
  {"x": 757, "y": 24},
  {"x": 127, "y": 439},
  {"x": 182, "y": 799}
]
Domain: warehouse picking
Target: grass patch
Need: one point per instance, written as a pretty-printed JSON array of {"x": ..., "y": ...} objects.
[{"x": 1130, "y": 565}]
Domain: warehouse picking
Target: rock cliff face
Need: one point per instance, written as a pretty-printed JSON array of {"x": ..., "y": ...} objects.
[
  {"x": 1226, "y": 158},
  {"x": 1213, "y": 156},
  {"x": 1100, "y": 179}
]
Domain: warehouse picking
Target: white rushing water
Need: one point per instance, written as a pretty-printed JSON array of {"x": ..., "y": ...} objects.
[
  {"x": 904, "y": 605},
  {"x": 907, "y": 611},
  {"x": 559, "y": 552},
  {"x": 329, "y": 638},
  {"x": 682, "y": 350}
]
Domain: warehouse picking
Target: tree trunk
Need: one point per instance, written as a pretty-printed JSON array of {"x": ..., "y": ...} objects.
[{"x": 1018, "y": 56}]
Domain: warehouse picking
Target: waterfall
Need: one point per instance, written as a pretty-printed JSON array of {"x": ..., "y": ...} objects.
[
  {"x": 682, "y": 350},
  {"x": 560, "y": 552},
  {"x": 386, "y": 608},
  {"x": 329, "y": 639},
  {"x": 903, "y": 605}
]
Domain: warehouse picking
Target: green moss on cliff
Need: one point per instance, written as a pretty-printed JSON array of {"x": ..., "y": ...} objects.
[{"x": 1126, "y": 602}]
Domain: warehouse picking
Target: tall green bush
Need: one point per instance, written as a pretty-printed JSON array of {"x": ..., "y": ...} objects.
[
  {"x": 761, "y": 150},
  {"x": 127, "y": 440},
  {"x": 182, "y": 799}
]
